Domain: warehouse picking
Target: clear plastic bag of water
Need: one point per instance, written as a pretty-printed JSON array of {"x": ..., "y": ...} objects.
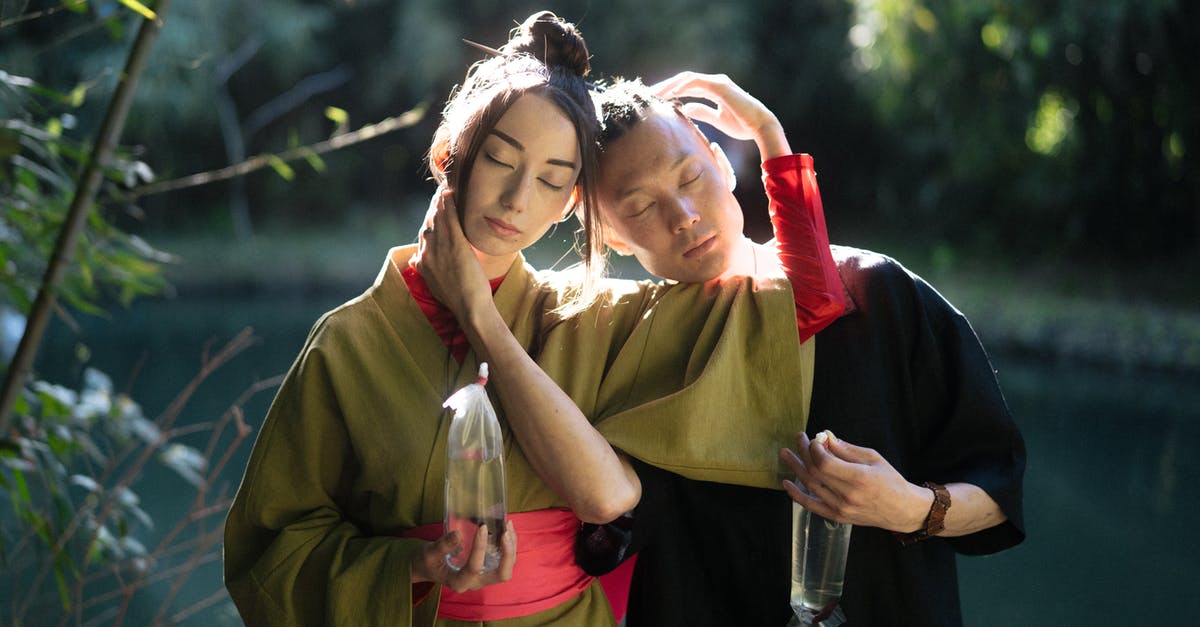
[{"x": 474, "y": 472}]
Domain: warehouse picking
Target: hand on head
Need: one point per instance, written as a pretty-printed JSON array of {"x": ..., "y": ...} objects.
[
  {"x": 853, "y": 484},
  {"x": 733, "y": 111},
  {"x": 433, "y": 566}
]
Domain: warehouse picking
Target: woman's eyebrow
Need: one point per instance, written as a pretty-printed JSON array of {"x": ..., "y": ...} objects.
[
  {"x": 508, "y": 139},
  {"x": 512, "y": 141}
]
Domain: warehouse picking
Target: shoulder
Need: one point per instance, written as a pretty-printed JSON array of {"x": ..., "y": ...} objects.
[
  {"x": 860, "y": 264},
  {"x": 875, "y": 281}
]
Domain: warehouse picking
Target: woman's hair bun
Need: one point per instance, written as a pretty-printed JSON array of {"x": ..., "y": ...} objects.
[{"x": 551, "y": 40}]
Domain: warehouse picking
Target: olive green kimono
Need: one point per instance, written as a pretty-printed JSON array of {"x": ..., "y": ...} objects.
[
  {"x": 710, "y": 384},
  {"x": 352, "y": 450}
]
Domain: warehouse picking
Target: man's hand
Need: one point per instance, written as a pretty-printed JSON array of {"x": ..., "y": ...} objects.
[
  {"x": 432, "y": 565},
  {"x": 854, "y": 484},
  {"x": 733, "y": 111}
]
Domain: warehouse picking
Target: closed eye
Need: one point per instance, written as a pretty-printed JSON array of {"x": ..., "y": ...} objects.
[
  {"x": 693, "y": 179},
  {"x": 489, "y": 157},
  {"x": 641, "y": 212},
  {"x": 557, "y": 188}
]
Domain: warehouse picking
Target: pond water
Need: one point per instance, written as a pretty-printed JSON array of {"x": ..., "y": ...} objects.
[{"x": 1111, "y": 485}]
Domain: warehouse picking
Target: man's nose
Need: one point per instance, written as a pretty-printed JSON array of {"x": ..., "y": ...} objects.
[{"x": 683, "y": 215}]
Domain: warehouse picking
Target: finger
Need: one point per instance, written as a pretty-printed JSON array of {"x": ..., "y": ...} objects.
[
  {"x": 451, "y": 222},
  {"x": 666, "y": 87},
  {"x": 448, "y": 543},
  {"x": 803, "y": 444},
  {"x": 478, "y": 552},
  {"x": 701, "y": 112},
  {"x": 851, "y": 453},
  {"x": 693, "y": 84},
  {"x": 508, "y": 552},
  {"x": 792, "y": 461}
]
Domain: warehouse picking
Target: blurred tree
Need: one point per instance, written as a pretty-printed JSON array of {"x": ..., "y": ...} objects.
[{"x": 1065, "y": 127}]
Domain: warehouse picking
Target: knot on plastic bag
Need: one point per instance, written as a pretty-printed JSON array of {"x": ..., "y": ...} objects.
[{"x": 478, "y": 428}]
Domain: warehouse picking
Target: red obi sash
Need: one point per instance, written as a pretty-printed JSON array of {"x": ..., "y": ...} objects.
[{"x": 545, "y": 574}]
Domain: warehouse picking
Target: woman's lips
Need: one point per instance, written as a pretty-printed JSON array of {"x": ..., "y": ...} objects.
[
  {"x": 702, "y": 248},
  {"x": 501, "y": 228}
]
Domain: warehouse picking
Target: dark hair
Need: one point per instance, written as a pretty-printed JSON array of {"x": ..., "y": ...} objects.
[
  {"x": 545, "y": 56},
  {"x": 623, "y": 105}
]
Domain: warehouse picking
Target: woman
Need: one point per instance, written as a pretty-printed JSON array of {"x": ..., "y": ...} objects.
[{"x": 338, "y": 517}]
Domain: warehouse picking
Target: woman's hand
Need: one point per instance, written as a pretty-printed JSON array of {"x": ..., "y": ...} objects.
[
  {"x": 446, "y": 259},
  {"x": 432, "y": 565},
  {"x": 733, "y": 112},
  {"x": 854, "y": 484}
]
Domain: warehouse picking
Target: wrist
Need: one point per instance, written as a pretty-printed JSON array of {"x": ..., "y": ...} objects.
[
  {"x": 771, "y": 140},
  {"x": 920, "y": 501},
  {"x": 935, "y": 520}
]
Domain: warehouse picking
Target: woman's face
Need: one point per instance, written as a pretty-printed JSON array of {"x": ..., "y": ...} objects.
[{"x": 520, "y": 182}]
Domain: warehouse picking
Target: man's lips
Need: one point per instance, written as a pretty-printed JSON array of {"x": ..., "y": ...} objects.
[
  {"x": 502, "y": 228},
  {"x": 702, "y": 248}
]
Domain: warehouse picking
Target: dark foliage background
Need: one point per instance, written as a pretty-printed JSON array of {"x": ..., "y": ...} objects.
[{"x": 1061, "y": 129}]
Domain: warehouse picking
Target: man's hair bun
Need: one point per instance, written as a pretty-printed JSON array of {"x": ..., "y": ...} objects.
[{"x": 551, "y": 40}]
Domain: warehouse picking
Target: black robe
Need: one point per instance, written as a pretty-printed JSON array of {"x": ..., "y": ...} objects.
[{"x": 901, "y": 372}]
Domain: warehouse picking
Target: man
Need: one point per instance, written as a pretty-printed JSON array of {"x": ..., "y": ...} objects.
[{"x": 901, "y": 375}]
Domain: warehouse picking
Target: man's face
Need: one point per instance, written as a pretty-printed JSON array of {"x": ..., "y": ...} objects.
[{"x": 667, "y": 199}]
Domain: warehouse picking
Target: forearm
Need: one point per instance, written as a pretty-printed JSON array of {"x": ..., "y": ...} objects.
[
  {"x": 771, "y": 140},
  {"x": 971, "y": 510},
  {"x": 561, "y": 445}
]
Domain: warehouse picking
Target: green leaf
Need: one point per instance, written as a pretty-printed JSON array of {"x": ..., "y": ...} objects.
[
  {"x": 64, "y": 593},
  {"x": 77, "y": 95},
  {"x": 281, "y": 167},
  {"x": 78, "y": 6},
  {"x": 314, "y": 160},
  {"x": 140, "y": 8},
  {"x": 339, "y": 116},
  {"x": 22, "y": 487}
]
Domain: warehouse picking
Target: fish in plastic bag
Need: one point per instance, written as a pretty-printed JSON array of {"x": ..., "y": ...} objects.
[{"x": 475, "y": 472}]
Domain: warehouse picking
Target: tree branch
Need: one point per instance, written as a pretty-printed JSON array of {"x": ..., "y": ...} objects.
[{"x": 258, "y": 162}]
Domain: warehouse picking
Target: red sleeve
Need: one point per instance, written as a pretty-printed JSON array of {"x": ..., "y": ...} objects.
[{"x": 803, "y": 243}]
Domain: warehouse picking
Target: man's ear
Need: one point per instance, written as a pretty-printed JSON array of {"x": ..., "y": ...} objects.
[
  {"x": 615, "y": 242},
  {"x": 571, "y": 204},
  {"x": 724, "y": 165}
]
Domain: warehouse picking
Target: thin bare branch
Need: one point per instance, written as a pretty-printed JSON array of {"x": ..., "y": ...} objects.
[
  {"x": 258, "y": 162},
  {"x": 40, "y": 14}
]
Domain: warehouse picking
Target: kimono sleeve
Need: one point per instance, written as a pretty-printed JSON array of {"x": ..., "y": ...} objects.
[
  {"x": 798, "y": 220},
  {"x": 973, "y": 438},
  {"x": 292, "y": 557}
]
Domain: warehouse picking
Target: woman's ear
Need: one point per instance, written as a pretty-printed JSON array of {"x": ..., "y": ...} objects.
[
  {"x": 439, "y": 156},
  {"x": 724, "y": 165}
]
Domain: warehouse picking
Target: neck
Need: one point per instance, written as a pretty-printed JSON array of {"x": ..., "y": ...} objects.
[
  {"x": 742, "y": 262},
  {"x": 494, "y": 267}
]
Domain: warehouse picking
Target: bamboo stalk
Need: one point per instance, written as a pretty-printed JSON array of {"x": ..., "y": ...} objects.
[{"x": 85, "y": 195}]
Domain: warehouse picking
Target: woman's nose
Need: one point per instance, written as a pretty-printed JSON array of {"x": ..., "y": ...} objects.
[{"x": 516, "y": 195}]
